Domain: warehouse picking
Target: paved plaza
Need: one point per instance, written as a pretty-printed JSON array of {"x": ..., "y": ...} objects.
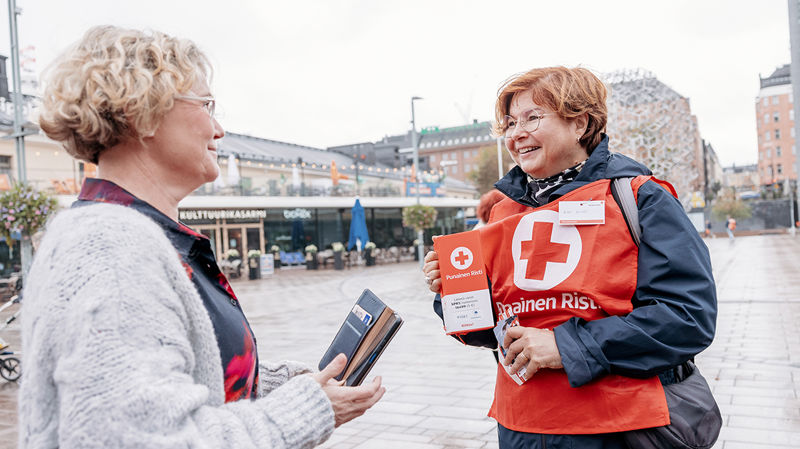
[{"x": 438, "y": 391}]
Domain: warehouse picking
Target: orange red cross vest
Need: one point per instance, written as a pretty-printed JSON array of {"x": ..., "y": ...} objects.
[{"x": 548, "y": 273}]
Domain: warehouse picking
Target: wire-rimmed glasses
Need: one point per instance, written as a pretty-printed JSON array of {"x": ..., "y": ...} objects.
[
  {"x": 209, "y": 104},
  {"x": 529, "y": 122}
]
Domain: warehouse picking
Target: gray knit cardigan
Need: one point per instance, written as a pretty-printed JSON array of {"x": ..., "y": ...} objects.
[{"x": 119, "y": 351}]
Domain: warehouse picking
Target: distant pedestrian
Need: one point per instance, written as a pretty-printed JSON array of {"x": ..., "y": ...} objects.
[
  {"x": 707, "y": 233},
  {"x": 730, "y": 227}
]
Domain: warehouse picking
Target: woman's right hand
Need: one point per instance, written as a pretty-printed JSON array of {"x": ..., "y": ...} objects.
[
  {"x": 347, "y": 402},
  {"x": 431, "y": 269}
]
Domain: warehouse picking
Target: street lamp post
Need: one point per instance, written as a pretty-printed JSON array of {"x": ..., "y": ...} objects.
[
  {"x": 414, "y": 143},
  {"x": 19, "y": 136}
]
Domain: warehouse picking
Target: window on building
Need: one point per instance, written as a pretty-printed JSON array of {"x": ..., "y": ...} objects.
[
  {"x": 5, "y": 164},
  {"x": 766, "y": 118},
  {"x": 780, "y": 169},
  {"x": 764, "y": 101},
  {"x": 769, "y": 153},
  {"x": 766, "y": 136},
  {"x": 794, "y": 149},
  {"x": 791, "y": 131},
  {"x": 777, "y": 151},
  {"x": 774, "y": 99},
  {"x": 777, "y": 134},
  {"x": 791, "y": 113},
  {"x": 776, "y": 117}
]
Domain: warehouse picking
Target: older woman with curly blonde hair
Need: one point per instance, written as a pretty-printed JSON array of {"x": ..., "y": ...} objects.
[{"x": 132, "y": 336}]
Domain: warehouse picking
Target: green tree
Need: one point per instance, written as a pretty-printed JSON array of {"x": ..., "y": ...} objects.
[
  {"x": 419, "y": 217},
  {"x": 485, "y": 175},
  {"x": 731, "y": 207}
]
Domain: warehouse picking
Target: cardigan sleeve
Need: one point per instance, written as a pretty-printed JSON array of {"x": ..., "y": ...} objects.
[
  {"x": 272, "y": 375},
  {"x": 110, "y": 335},
  {"x": 674, "y": 307}
]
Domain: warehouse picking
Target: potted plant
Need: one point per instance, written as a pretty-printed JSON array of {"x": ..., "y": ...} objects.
[
  {"x": 276, "y": 255},
  {"x": 254, "y": 264},
  {"x": 413, "y": 249},
  {"x": 419, "y": 217},
  {"x": 232, "y": 254},
  {"x": 311, "y": 257},
  {"x": 369, "y": 253},
  {"x": 338, "y": 260},
  {"x": 23, "y": 212}
]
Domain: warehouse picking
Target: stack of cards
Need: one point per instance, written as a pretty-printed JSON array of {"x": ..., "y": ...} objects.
[{"x": 500, "y": 333}]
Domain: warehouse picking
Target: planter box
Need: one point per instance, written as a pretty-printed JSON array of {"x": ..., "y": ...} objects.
[
  {"x": 254, "y": 265},
  {"x": 338, "y": 260}
]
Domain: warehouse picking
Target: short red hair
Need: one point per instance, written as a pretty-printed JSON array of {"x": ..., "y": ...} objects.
[{"x": 568, "y": 92}]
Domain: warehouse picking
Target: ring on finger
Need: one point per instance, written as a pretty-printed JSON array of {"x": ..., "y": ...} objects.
[{"x": 428, "y": 280}]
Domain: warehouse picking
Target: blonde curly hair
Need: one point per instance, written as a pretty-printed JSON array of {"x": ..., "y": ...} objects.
[{"x": 115, "y": 84}]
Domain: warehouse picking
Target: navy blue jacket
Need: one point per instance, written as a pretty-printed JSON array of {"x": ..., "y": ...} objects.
[{"x": 675, "y": 303}]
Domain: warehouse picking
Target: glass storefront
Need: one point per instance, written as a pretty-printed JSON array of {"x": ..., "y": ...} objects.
[
  {"x": 293, "y": 229},
  {"x": 9, "y": 258}
]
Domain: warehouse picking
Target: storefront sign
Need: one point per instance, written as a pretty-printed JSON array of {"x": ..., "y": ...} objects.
[
  {"x": 203, "y": 214},
  {"x": 425, "y": 189},
  {"x": 296, "y": 214}
]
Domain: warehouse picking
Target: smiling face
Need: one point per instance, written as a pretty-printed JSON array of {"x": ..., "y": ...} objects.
[
  {"x": 185, "y": 144},
  {"x": 550, "y": 149}
]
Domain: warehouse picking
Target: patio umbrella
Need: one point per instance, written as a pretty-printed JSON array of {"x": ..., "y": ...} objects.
[
  {"x": 298, "y": 235},
  {"x": 233, "y": 171},
  {"x": 358, "y": 227}
]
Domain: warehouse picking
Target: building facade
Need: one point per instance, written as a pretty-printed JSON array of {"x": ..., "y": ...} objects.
[
  {"x": 444, "y": 153},
  {"x": 743, "y": 180},
  {"x": 774, "y": 108},
  {"x": 268, "y": 193},
  {"x": 652, "y": 123}
]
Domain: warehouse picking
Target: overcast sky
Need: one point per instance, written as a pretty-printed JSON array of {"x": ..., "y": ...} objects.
[{"x": 329, "y": 72}]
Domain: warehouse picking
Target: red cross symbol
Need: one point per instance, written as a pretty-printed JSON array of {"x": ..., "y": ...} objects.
[
  {"x": 540, "y": 250},
  {"x": 462, "y": 258}
]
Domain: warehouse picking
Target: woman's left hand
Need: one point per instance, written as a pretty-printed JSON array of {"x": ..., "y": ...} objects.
[{"x": 531, "y": 348}]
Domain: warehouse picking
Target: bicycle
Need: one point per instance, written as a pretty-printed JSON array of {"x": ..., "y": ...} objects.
[{"x": 10, "y": 367}]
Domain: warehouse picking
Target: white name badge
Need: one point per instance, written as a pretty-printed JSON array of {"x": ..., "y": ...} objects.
[{"x": 582, "y": 212}]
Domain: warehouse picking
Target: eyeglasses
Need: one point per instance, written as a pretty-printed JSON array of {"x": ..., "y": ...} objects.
[
  {"x": 529, "y": 124},
  {"x": 209, "y": 104}
]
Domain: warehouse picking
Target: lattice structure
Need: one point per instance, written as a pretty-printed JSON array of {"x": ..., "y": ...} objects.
[{"x": 653, "y": 124}]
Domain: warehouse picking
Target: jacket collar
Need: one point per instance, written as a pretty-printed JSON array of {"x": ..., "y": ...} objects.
[{"x": 602, "y": 164}]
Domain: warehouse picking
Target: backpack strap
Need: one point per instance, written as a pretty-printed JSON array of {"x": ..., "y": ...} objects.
[{"x": 622, "y": 192}]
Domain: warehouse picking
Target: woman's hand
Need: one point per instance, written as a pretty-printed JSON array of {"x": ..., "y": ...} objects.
[
  {"x": 347, "y": 402},
  {"x": 531, "y": 348},
  {"x": 431, "y": 269}
]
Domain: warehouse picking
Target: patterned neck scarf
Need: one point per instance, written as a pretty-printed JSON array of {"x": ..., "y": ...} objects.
[{"x": 542, "y": 188}]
